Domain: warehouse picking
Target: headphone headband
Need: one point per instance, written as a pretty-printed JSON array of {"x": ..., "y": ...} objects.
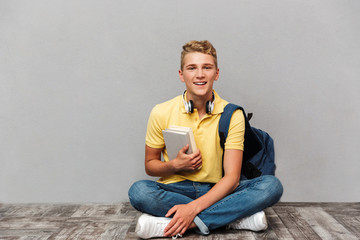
[{"x": 189, "y": 106}]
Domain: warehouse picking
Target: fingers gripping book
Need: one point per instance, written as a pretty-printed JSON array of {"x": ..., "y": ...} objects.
[{"x": 176, "y": 138}]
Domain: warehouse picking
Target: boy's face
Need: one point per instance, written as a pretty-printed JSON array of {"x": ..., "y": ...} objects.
[{"x": 198, "y": 74}]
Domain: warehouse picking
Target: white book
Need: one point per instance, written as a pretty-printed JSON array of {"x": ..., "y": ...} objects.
[{"x": 176, "y": 138}]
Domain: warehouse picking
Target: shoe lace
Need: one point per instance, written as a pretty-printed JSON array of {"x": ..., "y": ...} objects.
[
  {"x": 176, "y": 236},
  {"x": 159, "y": 229},
  {"x": 161, "y": 226}
]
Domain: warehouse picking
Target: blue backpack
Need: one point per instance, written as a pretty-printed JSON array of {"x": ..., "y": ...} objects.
[{"x": 259, "y": 154}]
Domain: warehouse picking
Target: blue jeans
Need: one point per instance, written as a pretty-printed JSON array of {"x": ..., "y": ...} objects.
[{"x": 249, "y": 197}]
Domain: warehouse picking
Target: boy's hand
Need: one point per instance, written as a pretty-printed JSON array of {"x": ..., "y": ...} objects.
[
  {"x": 183, "y": 219},
  {"x": 187, "y": 162}
]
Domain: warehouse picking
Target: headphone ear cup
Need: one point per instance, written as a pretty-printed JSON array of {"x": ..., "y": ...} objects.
[
  {"x": 186, "y": 105},
  {"x": 191, "y": 106},
  {"x": 209, "y": 107}
]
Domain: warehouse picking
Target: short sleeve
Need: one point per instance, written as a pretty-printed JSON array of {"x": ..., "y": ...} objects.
[
  {"x": 235, "y": 138},
  {"x": 154, "y": 137}
]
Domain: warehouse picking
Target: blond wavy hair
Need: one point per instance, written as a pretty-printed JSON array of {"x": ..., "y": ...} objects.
[{"x": 198, "y": 46}]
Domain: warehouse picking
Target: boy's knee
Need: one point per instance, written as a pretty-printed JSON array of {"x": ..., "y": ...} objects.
[
  {"x": 136, "y": 189},
  {"x": 139, "y": 192},
  {"x": 274, "y": 187}
]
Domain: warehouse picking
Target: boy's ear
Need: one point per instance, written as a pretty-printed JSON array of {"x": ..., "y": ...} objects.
[
  {"x": 181, "y": 75},
  {"x": 217, "y": 74}
]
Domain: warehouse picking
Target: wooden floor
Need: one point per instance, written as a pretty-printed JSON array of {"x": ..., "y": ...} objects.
[{"x": 117, "y": 221}]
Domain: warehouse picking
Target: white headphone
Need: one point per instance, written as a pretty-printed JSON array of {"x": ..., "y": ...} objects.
[{"x": 189, "y": 106}]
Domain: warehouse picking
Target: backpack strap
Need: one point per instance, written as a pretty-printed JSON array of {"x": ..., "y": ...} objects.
[
  {"x": 252, "y": 143},
  {"x": 224, "y": 121}
]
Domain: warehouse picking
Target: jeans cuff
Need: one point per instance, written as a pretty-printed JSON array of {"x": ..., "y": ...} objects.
[{"x": 203, "y": 229}]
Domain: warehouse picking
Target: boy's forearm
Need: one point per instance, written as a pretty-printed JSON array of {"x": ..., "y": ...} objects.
[
  {"x": 154, "y": 166},
  {"x": 220, "y": 190},
  {"x": 158, "y": 168}
]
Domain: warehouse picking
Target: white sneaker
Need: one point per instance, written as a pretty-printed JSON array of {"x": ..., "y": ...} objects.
[
  {"x": 255, "y": 222},
  {"x": 149, "y": 226}
]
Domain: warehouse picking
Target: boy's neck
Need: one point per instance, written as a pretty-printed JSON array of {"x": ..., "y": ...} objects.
[{"x": 200, "y": 103}]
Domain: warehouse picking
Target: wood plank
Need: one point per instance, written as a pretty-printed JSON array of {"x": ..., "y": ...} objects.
[
  {"x": 224, "y": 233},
  {"x": 98, "y": 210},
  {"x": 352, "y": 224},
  {"x": 324, "y": 224},
  {"x": 115, "y": 232},
  {"x": 346, "y": 214},
  {"x": 25, "y": 210},
  {"x": 276, "y": 225},
  {"x": 297, "y": 226},
  {"x": 31, "y": 233}
]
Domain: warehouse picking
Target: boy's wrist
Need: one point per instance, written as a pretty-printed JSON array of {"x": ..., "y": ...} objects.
[
  {"x": 172, "y": 166},
  {"x": 196, "y": 206}
]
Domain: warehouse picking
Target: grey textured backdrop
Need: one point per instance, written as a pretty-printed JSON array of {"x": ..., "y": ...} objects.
[{"x": 78, "y": 80}]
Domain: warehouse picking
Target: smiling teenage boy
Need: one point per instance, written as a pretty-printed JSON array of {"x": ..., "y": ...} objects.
[{"x": 199, "y": 191}]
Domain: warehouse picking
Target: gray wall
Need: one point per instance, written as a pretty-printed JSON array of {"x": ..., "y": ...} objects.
[{"x": 78, "y": 80}]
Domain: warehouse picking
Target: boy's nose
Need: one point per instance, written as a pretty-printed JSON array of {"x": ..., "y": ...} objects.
[{"x": 200, "y": 73}]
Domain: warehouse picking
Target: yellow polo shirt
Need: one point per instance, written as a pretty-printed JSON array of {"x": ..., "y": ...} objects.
[{"x": 205, "y": 132}]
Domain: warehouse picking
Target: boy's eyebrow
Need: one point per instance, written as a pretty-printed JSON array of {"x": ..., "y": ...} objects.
[
  {"x": 190, "y": 65},
  {"x": 193, "y": 64}
]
